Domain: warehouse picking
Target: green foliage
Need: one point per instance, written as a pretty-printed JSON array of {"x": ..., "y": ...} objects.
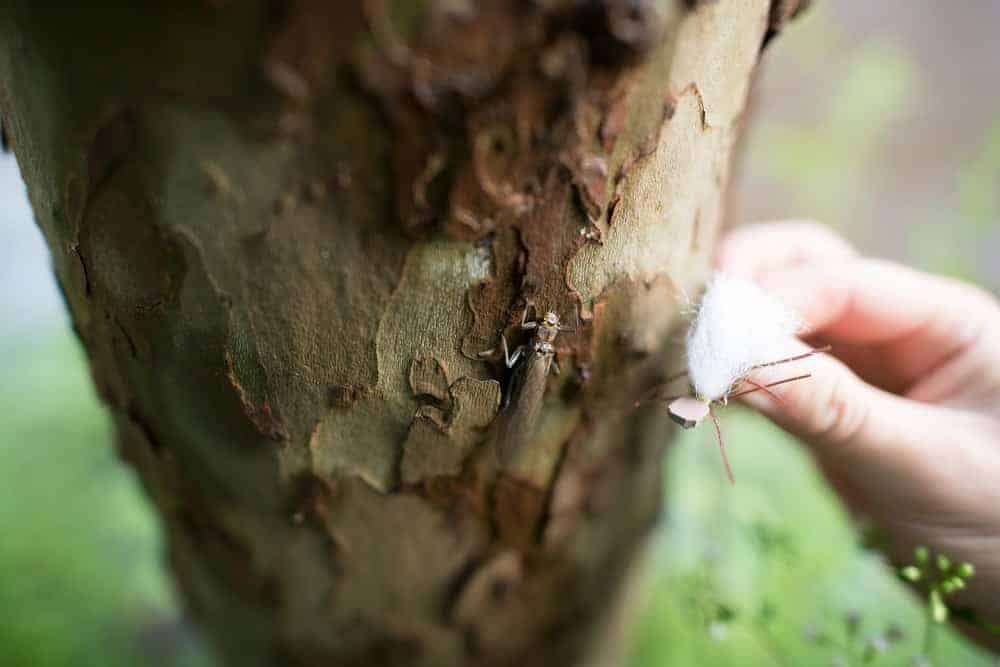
[
  {"x": 940, "y": 577},
  {"x": 771, "y": 572},
  {"x": 81, "y": 580}
]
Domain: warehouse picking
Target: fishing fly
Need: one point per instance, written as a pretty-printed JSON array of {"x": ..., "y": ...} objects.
[
  {"x": 531, "y": 363},
  {"x": 738, "y": 329}
]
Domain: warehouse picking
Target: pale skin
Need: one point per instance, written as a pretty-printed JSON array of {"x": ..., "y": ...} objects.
[{"x": 903, "y": 415}]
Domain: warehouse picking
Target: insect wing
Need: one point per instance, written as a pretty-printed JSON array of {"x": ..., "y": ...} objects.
[
  {"x": 687, "y": 411},
  {"x": 525, "y": 396}
]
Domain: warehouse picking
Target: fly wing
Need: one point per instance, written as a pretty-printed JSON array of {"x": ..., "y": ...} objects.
[
  {"x": 687, "y": 411},
  {"x": 526, "y": 394}
]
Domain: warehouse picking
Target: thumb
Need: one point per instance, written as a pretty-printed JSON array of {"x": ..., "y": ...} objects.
[
  {"x": 836, "y": 412},
  {"x": 908, "y": 463}
]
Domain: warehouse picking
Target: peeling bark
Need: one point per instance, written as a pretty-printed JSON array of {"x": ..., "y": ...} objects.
[{"x": 286, "y": 232}]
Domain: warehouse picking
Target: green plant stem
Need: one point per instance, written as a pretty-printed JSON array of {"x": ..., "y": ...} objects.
[{"x": 929, "y": 632}]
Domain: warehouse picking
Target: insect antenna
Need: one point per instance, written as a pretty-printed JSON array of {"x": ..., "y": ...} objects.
[
  {"x": 722, "y": 445},
  {"x": 653, "y": 394},
  {"x": 765, "y": 387},
  {"x": 675, "y": 377},
  {"x": 798, "y": 357}
]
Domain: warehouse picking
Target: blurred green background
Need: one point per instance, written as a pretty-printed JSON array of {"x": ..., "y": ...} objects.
[{"x": 881, "y": 119}]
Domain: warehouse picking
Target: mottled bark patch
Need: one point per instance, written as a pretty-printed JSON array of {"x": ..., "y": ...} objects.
[
  {"x": 428, "y": 377},
  {"x": 441, "y": 437},
  {"x": 255, "y": 403}
]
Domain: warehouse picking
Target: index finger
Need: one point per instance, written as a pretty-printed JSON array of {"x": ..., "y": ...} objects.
[{"x": 917, "y": 320}]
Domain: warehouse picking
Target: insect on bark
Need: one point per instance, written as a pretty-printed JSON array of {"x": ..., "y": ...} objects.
[{"x": 525, "y": 392}]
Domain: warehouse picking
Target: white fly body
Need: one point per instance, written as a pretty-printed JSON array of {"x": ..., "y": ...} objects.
[{"x": 737, "y": 327}]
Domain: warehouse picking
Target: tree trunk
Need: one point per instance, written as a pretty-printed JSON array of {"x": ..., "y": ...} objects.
[{"x": 287, "y": 231}]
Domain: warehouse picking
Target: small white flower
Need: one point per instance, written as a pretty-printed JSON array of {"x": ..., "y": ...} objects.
[
  {"x": 717, "y": 631},
  {"x": 878, "y": 644}
]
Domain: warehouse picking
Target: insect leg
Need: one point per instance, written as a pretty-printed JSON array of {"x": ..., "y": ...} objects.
[
  {"x": 510, "y": 359},
  {"x": 525, "y": 324},
  {"x": 722, "y": 445},
  {"x": 769, "y": 385},
  {"x": 798, "y": 357},
  {"x": 675, "y": 377},
  {"x": 651, "y": 395},
  {"x": 764, "y": 388},
  {"x": 649, "y": 398}
]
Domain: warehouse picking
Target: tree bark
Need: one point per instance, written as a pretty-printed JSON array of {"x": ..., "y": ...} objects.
[{"x": 286, "y": 231}]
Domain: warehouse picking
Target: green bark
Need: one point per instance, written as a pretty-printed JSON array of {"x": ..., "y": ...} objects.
[{"x": 286, "y": 231}]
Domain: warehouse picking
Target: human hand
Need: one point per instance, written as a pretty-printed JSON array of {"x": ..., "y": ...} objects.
[{"x": 903, "y": 416}]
